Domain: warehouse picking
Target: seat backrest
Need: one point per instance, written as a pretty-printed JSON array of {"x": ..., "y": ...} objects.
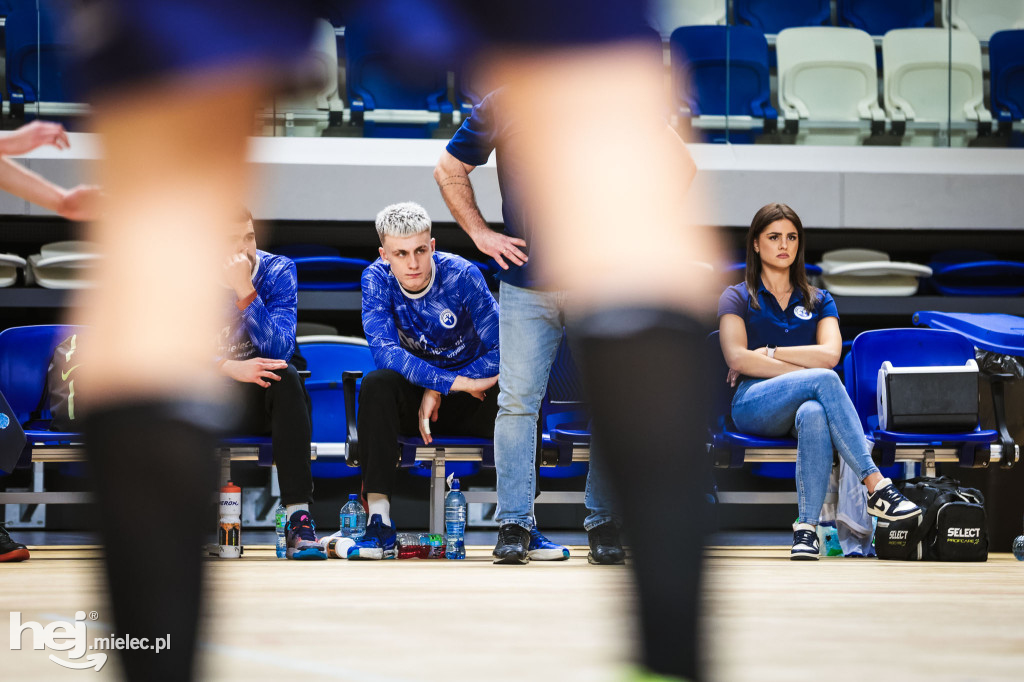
[
  {"x": 327, "y": 358},
  {"x": 564, "y": 401},
  {"x": 1006, "y": 69},
  {"x": 323, "y": 51},
  {"x": 771, "y": 16},
  {"x": 827, "y": 73},
  {"x": 877, "y": 17},
  {"x": 720, "y": 70},
  {"x": 983, "y": 17},
  {"x": 920, "y": 64},
  {"x": 903, "y": 348},
  {"x": 721, "y": 393},
  {"x": 668, "y": 15},
  {"x": 25, "y": 354},
  {"x": 374, "y": 76},
  {"x": 36, "y": 58}
]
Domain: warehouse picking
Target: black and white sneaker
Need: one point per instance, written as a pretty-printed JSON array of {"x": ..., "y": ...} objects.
[
  {"x": 889, "y": 503},
  {"x": 805, "y": 543}
]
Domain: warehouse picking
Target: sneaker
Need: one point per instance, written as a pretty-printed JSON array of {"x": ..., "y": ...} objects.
[
  {"x": 301, "y": 538},
  {"x": 513, "y": 546},
  {"x": 805, "y": 543},
  {"x": 542, "y": 549},
  {"x": 9, "y": 549},
  {"x": 605, "y": 545},
  {"x": 889, "y": 503},
  {"x": 377, "y": 543}
]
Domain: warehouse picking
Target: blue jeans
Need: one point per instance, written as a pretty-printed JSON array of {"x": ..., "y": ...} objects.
[
  {"x": 813, "y": 405},
  {"x": 530, "y": 328}
]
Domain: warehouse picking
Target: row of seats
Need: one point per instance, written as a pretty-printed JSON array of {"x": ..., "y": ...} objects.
[
  {"x": 902, "y": 348},
  {"x": 877, "y": 17},
  {"x": 828, "y": 73}
]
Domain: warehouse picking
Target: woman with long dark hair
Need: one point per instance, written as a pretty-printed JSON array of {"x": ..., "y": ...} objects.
[{"x": 780, "y": 337}]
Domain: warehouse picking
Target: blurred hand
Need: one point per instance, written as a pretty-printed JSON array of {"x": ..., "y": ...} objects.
[
  {"x": 429, "y": 406},
  {"x": 81, "y": 203},
  {"x": 259, "y": 371},
  {"x": 33, "y": 135},
  {"x": 732, "y": 377}
]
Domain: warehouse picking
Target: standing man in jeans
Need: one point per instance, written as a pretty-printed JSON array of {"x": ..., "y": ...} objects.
[{"x": 531, "y": 323}]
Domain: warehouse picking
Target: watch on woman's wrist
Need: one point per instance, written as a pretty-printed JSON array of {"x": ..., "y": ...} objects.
[{"x": 770, "y": 348}]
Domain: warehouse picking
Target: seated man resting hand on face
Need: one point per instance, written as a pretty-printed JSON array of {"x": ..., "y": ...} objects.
[{"x": 255, "y": 347}]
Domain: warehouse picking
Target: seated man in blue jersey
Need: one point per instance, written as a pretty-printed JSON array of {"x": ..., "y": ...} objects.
[
  {"x": 254, "y": 350},
  {"x": 432, "y": 325}
]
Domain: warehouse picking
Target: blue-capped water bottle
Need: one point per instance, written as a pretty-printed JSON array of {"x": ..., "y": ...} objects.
[
  {"x": 280, "y": 521},
  {"x": 352, "y": 519},
  {"x": 455, "y": 521}
]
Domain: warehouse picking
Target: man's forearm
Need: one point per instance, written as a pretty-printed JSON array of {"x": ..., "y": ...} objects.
[
  {"x": 458, "y": 195},
  {"x": 30, "y": 186}
]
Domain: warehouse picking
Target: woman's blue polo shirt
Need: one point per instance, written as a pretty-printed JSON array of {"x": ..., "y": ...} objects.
[{"x": 771, "y": 325}]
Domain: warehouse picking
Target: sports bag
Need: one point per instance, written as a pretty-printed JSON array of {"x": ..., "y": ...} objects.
[
  {"x": 951, "y": 526},
  {"x": 60, "y": 386}
]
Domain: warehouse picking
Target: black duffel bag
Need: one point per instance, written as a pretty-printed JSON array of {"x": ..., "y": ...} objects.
[{"x": 951, "y": 526}]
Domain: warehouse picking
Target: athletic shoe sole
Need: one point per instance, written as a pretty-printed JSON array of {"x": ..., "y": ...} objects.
[
  {"x": 592, "y": 560},
  {"x": 894, "y": 517},
  {"x": 803, "y": 556},
  {"x": 552, "y": 554},
  {"x": 307, "y": 554},
  {"x": 512, "y": 559},
  {"x": 16, "y": 555}
]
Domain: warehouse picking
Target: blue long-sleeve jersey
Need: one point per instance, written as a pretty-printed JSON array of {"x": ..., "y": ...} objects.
[
  {"x": 431, "y": 337},
  {"x": 265, "y": 325}
]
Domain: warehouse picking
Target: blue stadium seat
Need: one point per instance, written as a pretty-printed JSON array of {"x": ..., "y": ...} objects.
[
  {"x": 564, "y": 419},
  {"x": 908, "y": 348},
  {"x": 322, "y": 268},
  {"x": 327, "y": 359},
  {"x": 719, "y": 71},
  {"x": 728, "y": 444},
  {"x": 771, "y": 16},
  {"x": 375, "y": 81},
  {"x": 36, "y": 59},
  {"x": 879, "y": 16},
  {"x": 25, "y": 354},
  {"x": 975, "y": 273},
  {"x": 1006, "y": 69}
]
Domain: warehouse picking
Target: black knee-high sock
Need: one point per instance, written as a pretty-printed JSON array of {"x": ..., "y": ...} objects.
[
  {"x": 154, "y": 475},
  {"x": 644, "y": 375}
]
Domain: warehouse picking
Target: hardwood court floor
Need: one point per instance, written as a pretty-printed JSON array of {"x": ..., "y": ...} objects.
[{"x": 398, "y": 621}]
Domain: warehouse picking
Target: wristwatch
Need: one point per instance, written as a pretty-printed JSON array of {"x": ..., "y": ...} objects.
[{"x": 771, "y": 349}]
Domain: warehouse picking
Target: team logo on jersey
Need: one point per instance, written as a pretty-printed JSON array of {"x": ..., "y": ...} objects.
[
  {"x": 802, "y": 312},
  {"x": 448, "y": 319}
]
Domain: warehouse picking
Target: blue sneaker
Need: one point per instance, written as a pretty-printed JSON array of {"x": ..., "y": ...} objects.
[
  {"x": 301, "y": 538},
  {"x": 542, "y": 549},
  {"x": 377, "y": 543}
]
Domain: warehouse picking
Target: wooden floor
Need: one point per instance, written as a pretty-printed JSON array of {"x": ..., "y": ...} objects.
[{"x": 397, "y": 621}]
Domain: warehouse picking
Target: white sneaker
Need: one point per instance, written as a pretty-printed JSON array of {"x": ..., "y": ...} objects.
[
  {"x": 890, "y": 504},
  {"x": 805, "y": 543}
]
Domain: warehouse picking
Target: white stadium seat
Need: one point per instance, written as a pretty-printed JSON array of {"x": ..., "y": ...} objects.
[
  {"x": 827, "y": 73},
  {"x": 984, "y": 17},
  {"x": 919, "y": 66},
  {"x": 668, "y": 15}
]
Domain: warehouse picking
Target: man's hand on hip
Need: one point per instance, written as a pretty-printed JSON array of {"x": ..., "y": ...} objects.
[
  {"x": 500, "y": 246},
  {"x": 259, "y": 371}
]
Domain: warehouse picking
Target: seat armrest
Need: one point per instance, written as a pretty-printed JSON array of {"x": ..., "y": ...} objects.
[{"x": 348, "y": 387}]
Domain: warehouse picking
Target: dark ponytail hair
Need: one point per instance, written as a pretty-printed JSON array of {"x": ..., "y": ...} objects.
[{"x": 765, "y": 216}]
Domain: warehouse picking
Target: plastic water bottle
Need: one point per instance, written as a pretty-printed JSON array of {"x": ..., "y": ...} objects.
[
  {"x": 230, "y": 527},
  {"x": 352, "y": 519},
  {"x": 455, "y": 522},
  {"x": 828, "y": 540},
  {"x": 280, "y": 522},
  {"x": 1018, "y": 548}
]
